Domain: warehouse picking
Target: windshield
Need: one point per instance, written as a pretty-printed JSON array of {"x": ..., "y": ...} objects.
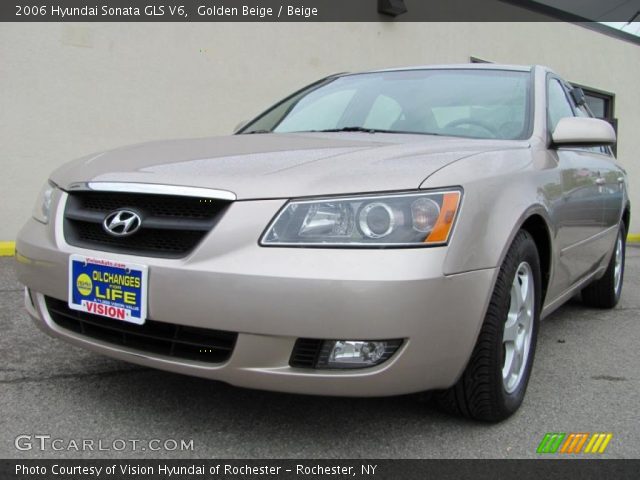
[{"x": 456, "y": 102}]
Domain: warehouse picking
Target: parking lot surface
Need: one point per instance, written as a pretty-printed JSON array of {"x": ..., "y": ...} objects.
[{"x": 585, "y": 379}]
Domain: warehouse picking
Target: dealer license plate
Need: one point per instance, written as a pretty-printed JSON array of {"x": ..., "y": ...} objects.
[{"x": 111, "y": 289}]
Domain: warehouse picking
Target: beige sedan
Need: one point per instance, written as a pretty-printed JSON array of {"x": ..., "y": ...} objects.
[{"x": 379, "y": 233}]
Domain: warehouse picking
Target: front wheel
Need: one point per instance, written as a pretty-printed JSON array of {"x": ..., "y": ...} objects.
[
  {"x": 605, "y": 292},
  {"x": 493, "y": 385}
]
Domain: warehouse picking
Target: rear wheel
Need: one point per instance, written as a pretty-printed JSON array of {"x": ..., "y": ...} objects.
[
  {"x": 605, "y": 292},
  {"x": 494, "y": 382}
]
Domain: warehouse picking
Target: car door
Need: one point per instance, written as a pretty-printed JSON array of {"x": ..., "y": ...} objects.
[
  {"x": 610, "y": 181},
  {"x": 579, "y": 213},
  {"x": 613, "y": 193},
  {"x": 611, "y": 187}
]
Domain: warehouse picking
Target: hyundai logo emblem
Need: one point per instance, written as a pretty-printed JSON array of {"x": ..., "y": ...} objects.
[{"x": 122, "y": 223}]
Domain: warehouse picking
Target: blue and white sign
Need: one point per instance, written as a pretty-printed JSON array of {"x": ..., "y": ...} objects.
[{"x": 108, "y": 288}]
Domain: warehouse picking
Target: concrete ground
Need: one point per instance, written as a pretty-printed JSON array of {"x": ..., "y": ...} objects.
[{"x": 586, "y": 379}]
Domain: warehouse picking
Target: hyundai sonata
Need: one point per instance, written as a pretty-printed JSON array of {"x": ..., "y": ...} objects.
[{"x": 378, "y": 233}]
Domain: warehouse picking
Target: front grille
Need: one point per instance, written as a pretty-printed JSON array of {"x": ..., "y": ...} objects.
[
  {"x": 167, "y": 339},
  {"x": 171, "y": 226}
]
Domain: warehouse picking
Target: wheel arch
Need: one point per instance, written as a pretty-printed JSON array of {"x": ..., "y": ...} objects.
[
  {"x": 538, "y": 228},
  {"x": 626, "y": 217},
  {"x": 536, "y": 222}
]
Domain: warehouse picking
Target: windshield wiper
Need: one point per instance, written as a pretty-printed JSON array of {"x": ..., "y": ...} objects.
[
  {"x": 255, "y": 131},
  {"x": 356, "y": 129},
  {"x": 375, "y": 130},
  {"x": 348, "y": 129}
]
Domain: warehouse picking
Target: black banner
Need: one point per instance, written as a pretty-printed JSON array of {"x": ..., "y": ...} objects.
[
  {"x": 307, "y": 469},
  {"x": 315, "y": 10}
]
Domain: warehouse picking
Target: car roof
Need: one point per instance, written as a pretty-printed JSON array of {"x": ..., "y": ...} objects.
[{"x": 460, "y": 66}]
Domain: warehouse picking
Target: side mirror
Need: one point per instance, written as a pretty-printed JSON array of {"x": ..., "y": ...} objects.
[
  {"x": 583, "y": 131},
  {"x": 240, "y": 126}
]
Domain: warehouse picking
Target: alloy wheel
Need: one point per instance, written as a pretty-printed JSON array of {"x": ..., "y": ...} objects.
[
  {"x": 518, "y": 327},
  {"x": 617, "y": 268}
]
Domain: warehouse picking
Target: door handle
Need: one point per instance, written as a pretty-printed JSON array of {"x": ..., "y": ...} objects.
[{"x": 600, "y": 181}]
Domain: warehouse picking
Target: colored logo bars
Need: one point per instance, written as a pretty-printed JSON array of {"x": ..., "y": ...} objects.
[{"x": 574, "y": 443}]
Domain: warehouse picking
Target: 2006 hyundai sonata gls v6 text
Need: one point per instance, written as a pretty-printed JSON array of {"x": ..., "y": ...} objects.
[{"x": 373, "y": 234}]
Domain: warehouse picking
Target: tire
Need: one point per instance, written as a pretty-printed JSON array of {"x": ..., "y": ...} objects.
[
  {"x": 483, "y": 392},
  {"x": 605, "y": 292}
]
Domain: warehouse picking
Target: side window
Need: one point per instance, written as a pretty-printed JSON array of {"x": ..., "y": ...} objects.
[
  {"x": 582, "y": 112},
  {"x": 558, "y": 104}
]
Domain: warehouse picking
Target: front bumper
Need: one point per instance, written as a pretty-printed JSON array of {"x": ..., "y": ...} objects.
[{"x": 272, "y": 296}]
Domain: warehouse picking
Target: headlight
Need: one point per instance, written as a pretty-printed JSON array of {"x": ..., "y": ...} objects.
[
  {"x": 42, "y": 208},
  {"x": 404, "y": 219}
]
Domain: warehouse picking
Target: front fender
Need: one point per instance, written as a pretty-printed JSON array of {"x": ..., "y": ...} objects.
[{"x": 501, "y": 191}]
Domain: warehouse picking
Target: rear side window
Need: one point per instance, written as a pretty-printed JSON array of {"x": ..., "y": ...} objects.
[{"x": 558, "y": 104}]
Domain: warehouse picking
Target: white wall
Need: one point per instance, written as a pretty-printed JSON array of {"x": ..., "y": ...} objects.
[{"x": 71, "y": 89}]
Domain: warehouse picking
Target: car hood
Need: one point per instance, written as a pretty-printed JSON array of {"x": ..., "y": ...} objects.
[{"x": 281, "y": 165}]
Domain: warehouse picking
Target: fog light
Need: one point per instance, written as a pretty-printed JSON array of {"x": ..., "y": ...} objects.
[{"x": 356, "y": 353}]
